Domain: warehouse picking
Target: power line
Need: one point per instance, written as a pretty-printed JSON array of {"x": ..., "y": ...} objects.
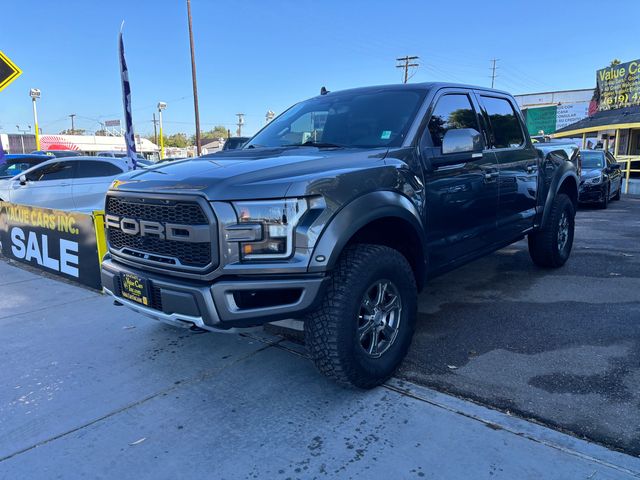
[{"x": 406, "y": 65}]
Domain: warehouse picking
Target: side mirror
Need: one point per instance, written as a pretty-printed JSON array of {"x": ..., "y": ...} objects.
[
  {"x": 461, "y": 140},
  {"x": 615, "y": 166},
  {"x": 23, "y": 179}
]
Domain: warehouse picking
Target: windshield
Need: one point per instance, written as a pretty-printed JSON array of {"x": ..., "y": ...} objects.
[
  {"x": 592, "y": 159},
  {"x": 352, "y": 119},
  {"x": 14, "y": 168}
]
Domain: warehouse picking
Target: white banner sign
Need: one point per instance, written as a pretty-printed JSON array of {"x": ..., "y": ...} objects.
[{"x": 569, "y": 113}]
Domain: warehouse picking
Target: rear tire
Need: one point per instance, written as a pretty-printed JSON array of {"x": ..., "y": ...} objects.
[
  {"x": 551, "y": 246},
  {"x": 339, "y": 335}
]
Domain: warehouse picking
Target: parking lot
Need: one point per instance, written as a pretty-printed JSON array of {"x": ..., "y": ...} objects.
[{"x": 95, "y": 391}]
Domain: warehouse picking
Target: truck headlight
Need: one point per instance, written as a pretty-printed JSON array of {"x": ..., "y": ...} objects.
[{"x": 266, "y": 228}]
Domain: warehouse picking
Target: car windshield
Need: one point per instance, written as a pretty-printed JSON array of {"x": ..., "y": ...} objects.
[
  {"x": 14, "y": 167},
  {"x": 358, "y": 119},
  {"x": 592, "y": 159}
]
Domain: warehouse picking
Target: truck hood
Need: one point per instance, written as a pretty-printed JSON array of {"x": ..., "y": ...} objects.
[{"x": 250, "y": 174}]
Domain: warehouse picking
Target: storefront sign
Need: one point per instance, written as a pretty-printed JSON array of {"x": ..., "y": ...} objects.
[
  {"x": 59, "y": 242},
  {"x": 542, "y": 119},
  {"x": 619, "y": 86},
  {"x": 552, "y": 118},
  {"x": 569, "y": 113}
]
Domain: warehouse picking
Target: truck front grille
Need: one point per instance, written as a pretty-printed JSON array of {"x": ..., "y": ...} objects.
[
  {"x": 159, "y": 251},
  {"x": 177, "y": 212}
]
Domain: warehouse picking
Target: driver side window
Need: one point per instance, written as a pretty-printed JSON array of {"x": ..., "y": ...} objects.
[
  {"x": 53, "y": 171},
  {"x": 453, "y": 111}
]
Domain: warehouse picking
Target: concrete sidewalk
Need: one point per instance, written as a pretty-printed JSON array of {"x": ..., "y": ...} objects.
[{"x": 90, "y": 390}]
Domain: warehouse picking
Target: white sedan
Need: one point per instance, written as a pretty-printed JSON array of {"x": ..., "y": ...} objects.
[{"x": 70, "y": 183}]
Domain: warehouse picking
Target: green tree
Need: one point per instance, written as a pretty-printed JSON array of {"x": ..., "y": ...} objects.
[
  {"x": 178, "y": 140},
  {"x": 219, "y": 131},
  {"x": 77, "y": 131}
]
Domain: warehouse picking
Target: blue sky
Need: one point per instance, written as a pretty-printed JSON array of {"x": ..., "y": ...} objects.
[{"x": 253, "y": 55}]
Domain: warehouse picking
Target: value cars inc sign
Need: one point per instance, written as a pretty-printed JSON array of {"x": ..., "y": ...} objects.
[{"x": 59, "y": 242}]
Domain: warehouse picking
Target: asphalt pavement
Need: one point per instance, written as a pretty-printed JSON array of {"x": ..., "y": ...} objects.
[{"x": 561, "y": 347}]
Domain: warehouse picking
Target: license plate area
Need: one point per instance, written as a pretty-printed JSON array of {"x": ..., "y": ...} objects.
[{"x": 135, "y": 288}]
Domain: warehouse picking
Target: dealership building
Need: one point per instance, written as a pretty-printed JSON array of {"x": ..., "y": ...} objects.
[{"x": 607, "y": 116}]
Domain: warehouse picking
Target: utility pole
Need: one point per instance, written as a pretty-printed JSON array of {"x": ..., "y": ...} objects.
[
  {"x": 161, "y": 107},
  {"x": 240, "y": 123},
  {"x": 193, "y": 77},
  {"x": 493, "y": 72},
  {"x": 155, "y": 131},
  {"x": 406, "y": 63},
  {"x": 73, "y": 130}
]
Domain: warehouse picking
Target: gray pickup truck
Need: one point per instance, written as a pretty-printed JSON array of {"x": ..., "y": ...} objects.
[{"x": 337, "y": 213}]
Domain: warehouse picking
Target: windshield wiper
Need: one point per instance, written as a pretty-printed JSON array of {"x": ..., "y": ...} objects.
[{"x": 311, "y": 143}]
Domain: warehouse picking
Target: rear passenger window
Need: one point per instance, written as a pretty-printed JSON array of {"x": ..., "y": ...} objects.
[
  {"x": 505, "y": 125},
  {"x": 452, "y": 111},
  {"x": 91, "y": 168}
]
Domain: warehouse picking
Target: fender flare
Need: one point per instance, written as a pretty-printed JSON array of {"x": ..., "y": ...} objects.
[
  {"x": 564, "y": 172},
  {"x": 356, "y": 215}
]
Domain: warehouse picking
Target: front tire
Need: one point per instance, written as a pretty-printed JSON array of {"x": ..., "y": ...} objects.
[
  {"x": 551, "y": 246},
  {"x": 363, "y": 329},
  {"x": 605, "y": 201},
  {"x": 618, "y": 193}
]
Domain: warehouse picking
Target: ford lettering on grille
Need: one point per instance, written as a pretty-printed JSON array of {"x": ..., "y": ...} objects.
[{"x": 164, "y": 231}]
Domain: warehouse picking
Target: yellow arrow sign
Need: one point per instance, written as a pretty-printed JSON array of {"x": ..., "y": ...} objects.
[{"x": 9, "y": 71}]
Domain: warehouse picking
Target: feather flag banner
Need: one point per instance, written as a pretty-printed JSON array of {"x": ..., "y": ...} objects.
[{"x": 129, "y": 137}]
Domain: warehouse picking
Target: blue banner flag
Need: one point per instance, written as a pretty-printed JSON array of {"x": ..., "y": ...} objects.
[
  {"x": 3, "y": 158},
  {"x": 129, "y": 137}
]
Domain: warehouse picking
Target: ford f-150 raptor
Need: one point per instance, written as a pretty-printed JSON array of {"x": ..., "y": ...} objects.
[{"x": 337, "y": 213}]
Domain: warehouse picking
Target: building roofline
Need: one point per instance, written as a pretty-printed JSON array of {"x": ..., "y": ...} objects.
[{"x": 556, "y": 91}]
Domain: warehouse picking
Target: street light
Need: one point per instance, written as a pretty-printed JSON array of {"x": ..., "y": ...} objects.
[
  {"x": 23, "y": 131},
  {"x": 270, "y": 115},
  {"x": 161, "y": 107},
  {"x": 34, "y": 93}
]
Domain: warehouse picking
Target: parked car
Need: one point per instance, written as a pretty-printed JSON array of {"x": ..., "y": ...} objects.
[
  {"x": 140, "y": 159},
  {"x": 17, "y": 163},
  {"x": 59, "y": 153},
  {"x": 600, "y": 178},
  {"x": 337, "y": 213},
  {"x": 77, "y": 183},
  {"x": 233, "y": 143}
]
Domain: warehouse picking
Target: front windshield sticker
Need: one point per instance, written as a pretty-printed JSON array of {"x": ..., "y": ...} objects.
[{"x": 386, "y": 135}]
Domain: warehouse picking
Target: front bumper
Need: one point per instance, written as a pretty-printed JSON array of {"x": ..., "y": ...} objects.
[
  {"x": 227, "y": 303},
  {"x": 591, "y": 193}
]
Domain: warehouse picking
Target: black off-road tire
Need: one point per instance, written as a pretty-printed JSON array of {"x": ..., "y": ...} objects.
[
  {"x": 544, "y": 246},
  {"x": 331, "y": 332}
]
